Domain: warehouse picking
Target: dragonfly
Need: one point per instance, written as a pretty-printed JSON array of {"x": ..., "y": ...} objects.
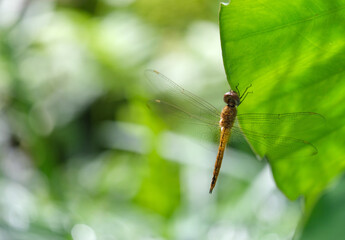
[{"x": 252, "y": 126}]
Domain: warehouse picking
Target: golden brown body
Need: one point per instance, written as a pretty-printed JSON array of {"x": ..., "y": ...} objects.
[{"x": 226, "y": 122}]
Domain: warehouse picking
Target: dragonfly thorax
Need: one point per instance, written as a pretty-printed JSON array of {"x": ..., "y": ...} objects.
[
  {"x": 232, "y": 99},
  {"x": 227, "y": 117}
]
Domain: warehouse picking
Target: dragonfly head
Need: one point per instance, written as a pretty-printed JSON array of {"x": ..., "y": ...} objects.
[{"x": 232, "y": 99}]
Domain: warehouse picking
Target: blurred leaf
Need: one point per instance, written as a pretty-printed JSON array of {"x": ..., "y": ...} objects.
[
  {"x": 292, "y": 52},
  {"x": 160, "y": 191},
  {"x": 173, "y": 15},
  {"x": 327, "y": 218}
]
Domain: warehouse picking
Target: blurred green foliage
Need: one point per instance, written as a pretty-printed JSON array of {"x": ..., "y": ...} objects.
[
  {"x": 82, "y": 157},
  {"x": 328, "y": 215}
]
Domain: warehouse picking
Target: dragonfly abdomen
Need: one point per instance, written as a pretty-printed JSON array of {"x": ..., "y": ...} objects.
[{"x": 226, "y": 122}]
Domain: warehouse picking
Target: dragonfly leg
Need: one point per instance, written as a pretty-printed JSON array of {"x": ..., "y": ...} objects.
[
  {"x": 245, "y": 93},
  {"x": 238, "y": 90}
]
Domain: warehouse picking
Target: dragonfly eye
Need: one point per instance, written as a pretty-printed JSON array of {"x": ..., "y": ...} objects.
[{"x": 231, "y": 98}]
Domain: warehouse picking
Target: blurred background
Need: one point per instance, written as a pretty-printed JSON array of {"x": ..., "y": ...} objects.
[{"x": 81, "y": 155}]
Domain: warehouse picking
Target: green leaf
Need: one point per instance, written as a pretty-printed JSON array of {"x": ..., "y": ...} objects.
[{"x": 293, "y": 54}]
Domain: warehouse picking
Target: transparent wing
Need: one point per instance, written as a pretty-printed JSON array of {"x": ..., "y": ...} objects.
[
  {"x": 179, "y": 112},
  {"x": 184, "y": 103},
  {"x": 193, "y": 125},
  {"x": 274, "y": 146},
  {"x": 297, "y": 122}
]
